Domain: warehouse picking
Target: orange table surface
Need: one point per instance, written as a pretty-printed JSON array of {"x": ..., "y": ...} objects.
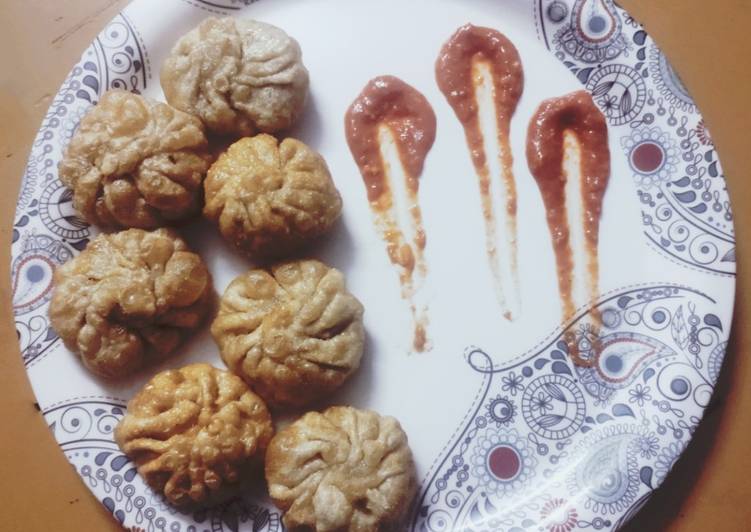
[{"x": 709, "y": 44}]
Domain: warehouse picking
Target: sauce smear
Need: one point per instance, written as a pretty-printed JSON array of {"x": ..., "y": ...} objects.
[
  {"x": 469, "y": 58},
  {"x": 388, "y": 110},
  {"x": 565, "y": 130}
]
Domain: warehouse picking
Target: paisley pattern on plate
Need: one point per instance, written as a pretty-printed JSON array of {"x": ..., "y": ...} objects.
[
  {"x": 545, "y": 445},
  {"x": 46, "y": 231},
  {"x": 686, "y": 212},
  {"x": 577, "y": 447},
  {"x": 83, "y": 428}
]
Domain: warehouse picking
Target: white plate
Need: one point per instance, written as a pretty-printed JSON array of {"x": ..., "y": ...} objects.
[{"x": 587, "y": 446}]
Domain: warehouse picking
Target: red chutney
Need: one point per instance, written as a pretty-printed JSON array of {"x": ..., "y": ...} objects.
[
  {"x": 577, "y": 114},
  {"x": 389, "y": 101},
  {"x": 458, "y": 76}
]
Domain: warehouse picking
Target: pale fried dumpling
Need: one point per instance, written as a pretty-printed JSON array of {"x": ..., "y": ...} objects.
[
  {"x": 293, "y": 332},
  {"x": 343, "y": 469},
  {"x": 239, "y": 76},
  {"x": 135, "y": 162},
  {"x": 129, "y": 299},
  {"x": 269, "y": 198},
  {"x": 193, "y": 432}
]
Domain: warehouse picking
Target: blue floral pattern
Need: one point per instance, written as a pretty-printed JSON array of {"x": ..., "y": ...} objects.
[
  {"x": 83, "y": 428},
  {"x": 686, "y": 213},
  {"x": 652, "y": 155},
  {"x": 621, "y": 418},
  {"x": 497, "y": 476}
]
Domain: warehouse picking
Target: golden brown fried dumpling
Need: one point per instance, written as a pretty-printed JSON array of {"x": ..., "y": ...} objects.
[
  {"x": 135, "y": 162},
  {"x": 294, "y": 332},
  {"x": 343, "y": 469},
  {"x": 239, "y": 76},
  {"x": 129, "y": 299},
  {"x": 269, "y": 198},
  {"x": 193, "y": 432}
]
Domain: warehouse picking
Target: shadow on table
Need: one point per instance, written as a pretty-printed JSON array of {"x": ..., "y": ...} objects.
[{"x": 666, "y": 504}]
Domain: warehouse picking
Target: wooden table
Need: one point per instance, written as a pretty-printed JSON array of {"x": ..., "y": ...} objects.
[{"x": 709, "y": 44}]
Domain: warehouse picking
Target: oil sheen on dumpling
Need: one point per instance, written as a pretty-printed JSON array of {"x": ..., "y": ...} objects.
[
  {"x": 194, "y": 432},
  {"x": 129, "y": 299},
  {"x": 293, "y": 332},
  {"x": 135, "y": 162},
  {"x": 342, "y": 469},
  {"x": 268, "y": 198}
]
